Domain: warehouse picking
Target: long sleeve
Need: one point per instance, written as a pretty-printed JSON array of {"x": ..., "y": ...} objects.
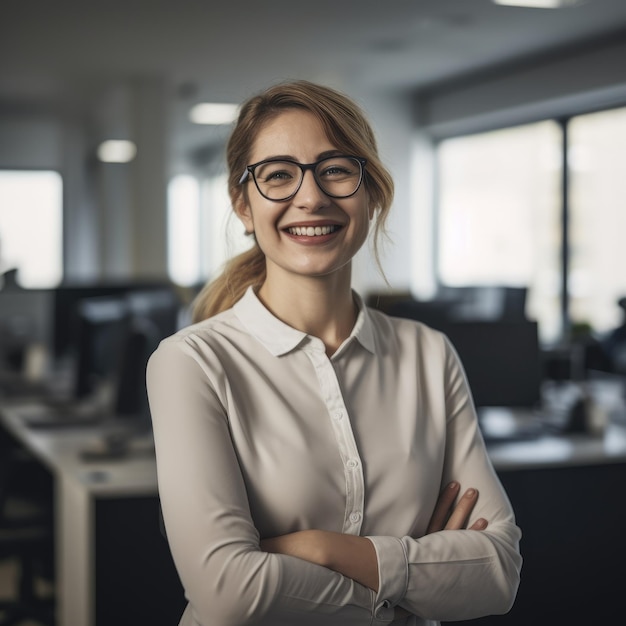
[
  {"x": 454, "y": 575},
  {"x": 227, "y": 579}
]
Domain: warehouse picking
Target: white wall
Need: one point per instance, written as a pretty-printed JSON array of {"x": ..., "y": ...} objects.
[{"x": 30, "y": 141}]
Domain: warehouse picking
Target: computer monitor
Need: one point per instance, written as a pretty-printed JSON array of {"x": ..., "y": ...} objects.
[
  {"x": 153, "y": 315},
  {"x": 502, "y": 361},
  {"x": 113, "y": 340},
  {"x": 431, "y": 312},
  {"x": 159, "y": 310},
  {"x": 102, "y": 326},
  {"x": 24, "y": 321},
  {"x": 65, "y": 301}
]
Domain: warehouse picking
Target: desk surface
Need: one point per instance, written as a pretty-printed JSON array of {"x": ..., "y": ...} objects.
[
  {"x": 60, "y": 451},
  {"x": 561, "y": 451}
]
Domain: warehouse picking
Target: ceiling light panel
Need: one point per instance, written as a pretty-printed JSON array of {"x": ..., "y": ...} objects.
[
  {"x": 117, "y": 151},
  {"x": 539, "y": 4},
  {"x": 213, "y": 113}
]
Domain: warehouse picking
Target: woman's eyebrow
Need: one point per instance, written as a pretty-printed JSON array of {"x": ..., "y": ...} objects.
[
  {"x": 290, "y": 157},
  {"x": 329, "y": 153},
  {"x": 279, "y": 157}
]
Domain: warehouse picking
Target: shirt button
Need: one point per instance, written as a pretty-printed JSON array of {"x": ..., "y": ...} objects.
[
  {"x": 355, "y": 517},
  {"x": 352, "y": 463},
  {"x": 338, "y": 415}
]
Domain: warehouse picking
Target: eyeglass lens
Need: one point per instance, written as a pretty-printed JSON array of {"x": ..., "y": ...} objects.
[{"x": 337, "y": 176}]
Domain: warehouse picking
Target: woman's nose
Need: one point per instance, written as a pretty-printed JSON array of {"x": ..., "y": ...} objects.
[{"x": 310, "y": 197}]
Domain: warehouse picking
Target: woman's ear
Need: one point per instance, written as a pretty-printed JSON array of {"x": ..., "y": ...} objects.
[{"x": 243, "y": 212}]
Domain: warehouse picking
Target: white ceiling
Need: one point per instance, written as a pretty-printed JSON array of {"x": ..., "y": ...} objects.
[{"x": 67, "y": 53}]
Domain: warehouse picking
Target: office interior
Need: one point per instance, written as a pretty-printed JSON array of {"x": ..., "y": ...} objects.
[{"x": 503, "y": 127}]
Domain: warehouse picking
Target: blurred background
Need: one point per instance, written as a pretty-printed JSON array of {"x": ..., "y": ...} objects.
[{"x": 502, "y": 122}]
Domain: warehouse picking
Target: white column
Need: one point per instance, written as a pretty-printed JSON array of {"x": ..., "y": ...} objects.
[{"x": 149, "y": 174}]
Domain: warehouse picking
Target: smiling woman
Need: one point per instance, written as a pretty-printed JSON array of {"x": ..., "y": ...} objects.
[{"x": 319, "y": 462}]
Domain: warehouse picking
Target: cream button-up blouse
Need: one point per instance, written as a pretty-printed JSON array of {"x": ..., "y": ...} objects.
[{"x": 259, "y": 433}]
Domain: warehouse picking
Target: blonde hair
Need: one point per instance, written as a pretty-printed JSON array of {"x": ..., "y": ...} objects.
[{"x": 345, "y": 126}]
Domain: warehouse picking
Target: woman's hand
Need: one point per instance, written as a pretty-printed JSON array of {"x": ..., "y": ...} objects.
[{"x": 446, "y": 516}]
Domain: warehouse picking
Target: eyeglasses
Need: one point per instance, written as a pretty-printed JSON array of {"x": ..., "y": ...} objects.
[{"x": 279, "y": 179}]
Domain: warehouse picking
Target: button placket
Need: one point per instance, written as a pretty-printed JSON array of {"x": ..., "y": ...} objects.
[{"x": 344, "y": 436}]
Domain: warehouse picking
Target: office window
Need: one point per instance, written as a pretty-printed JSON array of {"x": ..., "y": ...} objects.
[
  {"x": 597, "y": 233},
  {"x": 183, "y": 230},
  {"x": 202, "y": 230},
  {"x": 31, "y": 226},
  {"x": 223, "y": 234},
  {"x": 499, "y": 220}
]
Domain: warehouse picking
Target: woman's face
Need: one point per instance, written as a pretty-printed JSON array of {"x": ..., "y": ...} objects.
[{"x": 343, "y": 222}]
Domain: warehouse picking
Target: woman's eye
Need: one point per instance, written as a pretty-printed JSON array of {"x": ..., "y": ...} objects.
[
  {"x": 277, "y": 175},
  {"x": 335, "y": 170}
]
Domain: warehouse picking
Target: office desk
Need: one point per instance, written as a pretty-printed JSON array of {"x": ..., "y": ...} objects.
[
  {"x": 567, "y": 493},
  {"x": 562, "y": 451},
  {"x": 113, "y": 566}
]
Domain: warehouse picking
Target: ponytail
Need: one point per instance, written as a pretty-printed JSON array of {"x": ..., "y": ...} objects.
[{"x": 242, "y": 271}]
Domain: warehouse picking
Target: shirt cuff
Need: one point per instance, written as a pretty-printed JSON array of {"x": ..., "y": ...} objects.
[{"x": 393, "y": 570}]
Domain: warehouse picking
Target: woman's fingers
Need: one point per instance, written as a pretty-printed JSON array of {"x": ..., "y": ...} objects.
[
  {"x": 443, "y": 507},
  {"x": 479, "y": 524},
  {"x": 450, "y": 516},
  {"x": 462, "y": 511}
]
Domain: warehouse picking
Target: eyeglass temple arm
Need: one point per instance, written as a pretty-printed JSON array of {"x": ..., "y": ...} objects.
[{"x": 244, "y": 176}]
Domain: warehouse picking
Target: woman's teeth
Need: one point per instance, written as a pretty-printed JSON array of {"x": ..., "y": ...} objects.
[{"x": 312, "y": 231}]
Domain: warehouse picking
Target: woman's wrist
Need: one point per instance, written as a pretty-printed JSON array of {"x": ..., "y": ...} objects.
[
  {"x": 350, "y": 555},
  {"x": 308, "y": 545}
]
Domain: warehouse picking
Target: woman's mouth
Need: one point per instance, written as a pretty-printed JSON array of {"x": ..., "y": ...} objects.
[{"x": 312, "y": 231}]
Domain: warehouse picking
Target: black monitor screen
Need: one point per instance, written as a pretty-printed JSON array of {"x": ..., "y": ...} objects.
[
  {"x": 66, "y": 299},
  {"x": 101, "y": 329},
  {"x": 501, "y": 359},
  {"x": 24, "y": 320},
  {"x": 153, "y": 316}
]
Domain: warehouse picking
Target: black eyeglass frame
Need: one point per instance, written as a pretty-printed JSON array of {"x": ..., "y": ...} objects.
[{"x": 304, "y": 167}]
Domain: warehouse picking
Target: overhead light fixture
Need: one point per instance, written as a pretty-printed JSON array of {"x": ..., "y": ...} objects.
[
  {"x": 539, "y": 4},
  {"x": 117, "y": 151},
  {"x": 213, "y": 113}
]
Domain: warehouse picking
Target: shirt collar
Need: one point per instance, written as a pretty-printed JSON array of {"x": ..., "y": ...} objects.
[{"x": 280, "y": 338}]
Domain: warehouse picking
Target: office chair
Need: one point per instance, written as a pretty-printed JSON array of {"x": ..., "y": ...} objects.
[{"x": 25, "y": 536}]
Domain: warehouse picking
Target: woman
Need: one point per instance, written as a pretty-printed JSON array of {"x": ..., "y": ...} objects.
[{"x": 309, "y": 450}]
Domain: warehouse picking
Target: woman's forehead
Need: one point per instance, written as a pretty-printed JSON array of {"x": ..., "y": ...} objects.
[{"x": 289, "y": 133}]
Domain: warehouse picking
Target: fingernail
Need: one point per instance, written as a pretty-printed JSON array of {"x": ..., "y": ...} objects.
[
  {"x": 481, "y": 523},
  {"x": 470, "y": 493},
  {"x": 453, "y": 485}
]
